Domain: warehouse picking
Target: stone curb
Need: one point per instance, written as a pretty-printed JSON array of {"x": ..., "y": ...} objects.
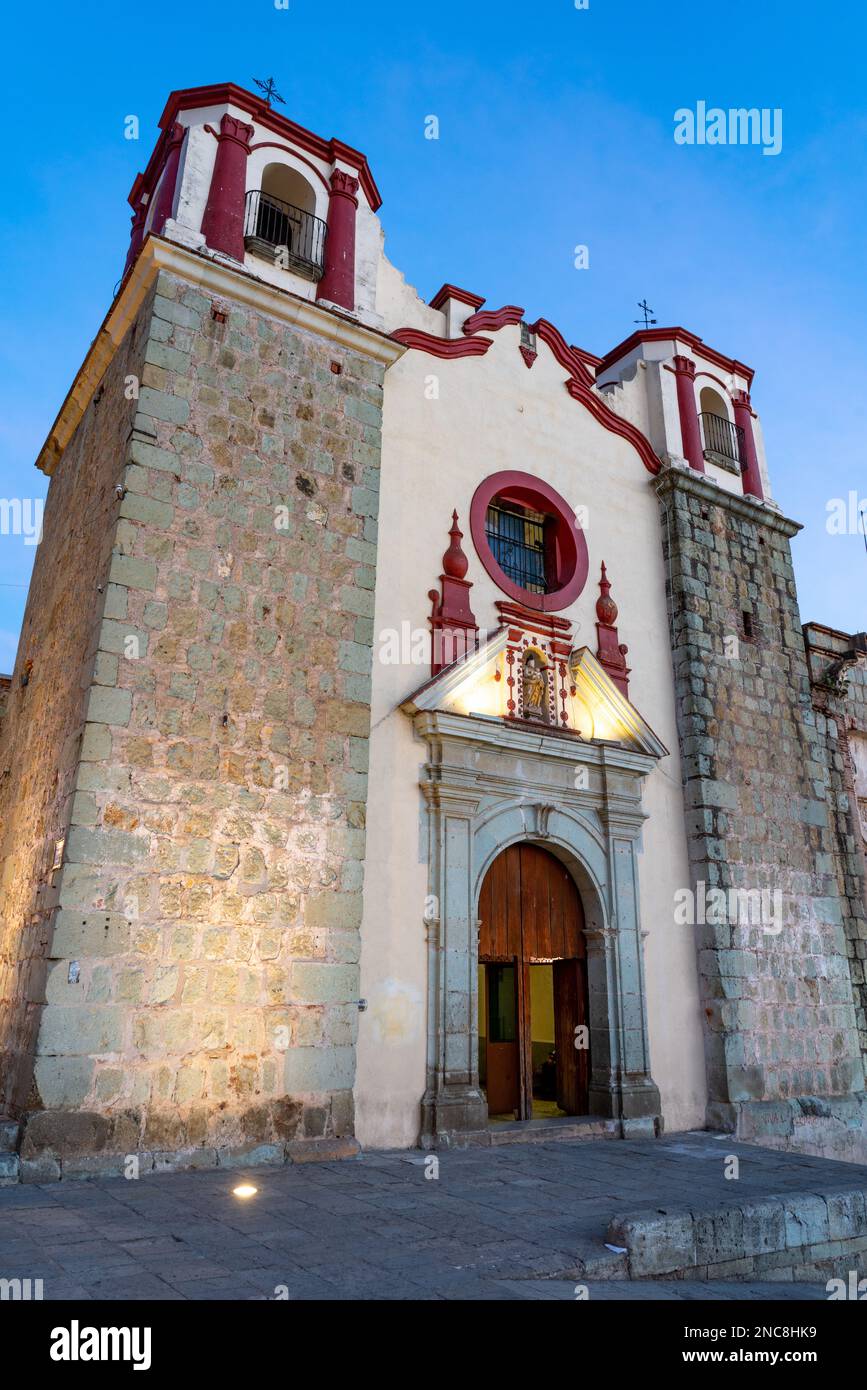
[
  {"x": 49, "y": 1167},
  {"x": 784, "y": 1230}
]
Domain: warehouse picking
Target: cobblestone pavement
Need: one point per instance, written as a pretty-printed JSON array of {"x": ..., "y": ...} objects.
[{"x": 509, "y": 1222}]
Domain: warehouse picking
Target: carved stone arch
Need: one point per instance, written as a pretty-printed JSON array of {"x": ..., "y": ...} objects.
[
  {"x": 474, "y": 815},
  {"x": 582, "y": 851},
  {"x": 569, "y": 839},
  {"x": 265, "y": 160}
]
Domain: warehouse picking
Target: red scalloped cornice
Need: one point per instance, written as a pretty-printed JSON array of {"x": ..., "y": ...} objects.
[
  {"x": 580, "y": 381},
  {"x": 615, "y": 423},
  {"x": 445, "y": 292},
  {"x": 221, "y": 93},
  {"x": 489, "y": 320},
  {"x": 681, "y": 335},
  {"x": 442, "y": 347},
  {"x": 566, "y": 356}
]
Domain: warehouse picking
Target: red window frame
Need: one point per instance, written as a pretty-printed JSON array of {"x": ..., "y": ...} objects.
[{"x": 567, "y": 555}]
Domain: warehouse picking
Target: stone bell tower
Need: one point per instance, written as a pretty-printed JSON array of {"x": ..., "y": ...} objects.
[
  {"x": 776, "y": 912},
  {"x": 183, "y": 758}
]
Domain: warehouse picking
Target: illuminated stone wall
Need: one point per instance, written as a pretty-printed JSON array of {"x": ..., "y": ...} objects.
[{"x": 202, "y": 973}]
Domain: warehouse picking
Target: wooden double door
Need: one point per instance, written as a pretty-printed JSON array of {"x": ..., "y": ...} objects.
[{"x": 530, "y": 913}]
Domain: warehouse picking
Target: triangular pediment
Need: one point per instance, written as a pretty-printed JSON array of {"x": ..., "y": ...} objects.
[
  {"x": 606, "y": 714},
  {"x": 594, "y": 709},
  {"x": 454, "y": 688}
]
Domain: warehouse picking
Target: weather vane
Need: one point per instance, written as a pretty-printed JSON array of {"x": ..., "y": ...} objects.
[
  {"x": 269, "y": 89},
  {"x": 646, "y": 311}
]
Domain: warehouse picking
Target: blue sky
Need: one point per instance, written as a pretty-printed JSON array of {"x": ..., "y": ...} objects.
[{"x": 556, "y": 129}]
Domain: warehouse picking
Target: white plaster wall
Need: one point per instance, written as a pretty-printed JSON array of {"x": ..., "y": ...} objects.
[
  {"x": 666, "y": 438},
  {"x": 629, "y": 398},
  {"x": 759, "y": 437},
  {"x": 197, "y": 162},
  {"x": 493, "y": 414},
  {"x": 368, "y": 254},
  {"x": 196, "y": 167},
  {"x": 401, "y": 305}
]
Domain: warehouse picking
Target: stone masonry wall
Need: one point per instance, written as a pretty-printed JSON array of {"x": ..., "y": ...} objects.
[
  {"x": 779, "y": 1011},
  {"x": 202, "y": 992},
  {"x": 841, "y": 720},
  {"x": 856, "y": 732},
  {"x": 44, "y": 719},
  {"x": 5, "y": 687}
]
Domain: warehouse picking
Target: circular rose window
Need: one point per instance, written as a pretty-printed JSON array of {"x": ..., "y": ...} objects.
[{"x": 529, "y": 541}]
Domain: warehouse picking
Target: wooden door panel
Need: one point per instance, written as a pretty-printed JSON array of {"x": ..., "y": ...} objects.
[
  {"x": 503, "y": 1050},
  {"x": 503, "y": 1082},
  {"x": 570, "y": 1012},
  {"x": 530, "y": 909},
  {"x": 511, "y": 861}
]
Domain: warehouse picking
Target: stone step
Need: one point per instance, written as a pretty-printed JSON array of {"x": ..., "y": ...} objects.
[
  {"x": 551, "y": 1131},
  {"x": 802, "y": 1236},
  {"x": 587, "y": 1259}
]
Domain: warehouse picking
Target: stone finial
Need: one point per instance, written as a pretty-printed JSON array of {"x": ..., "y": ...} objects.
[
  {"x": 610, "y": 651},
  {"x": 455, "y": 562},
  {"x": 606, "y": 608},
  {"x": 453, "y": 624}
]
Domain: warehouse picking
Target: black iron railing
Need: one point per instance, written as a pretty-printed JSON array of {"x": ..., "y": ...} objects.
[
  {"x": 722, "y": 438},
  {"x": 517, "y": 543},
  {"x": 286, "y": 234}
]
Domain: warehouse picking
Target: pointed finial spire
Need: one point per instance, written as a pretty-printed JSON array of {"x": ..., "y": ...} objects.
[
  {"x": 606, "y": 608},
  {"x": 610, "y": 652},
  {"x": 455, "y": 562}
]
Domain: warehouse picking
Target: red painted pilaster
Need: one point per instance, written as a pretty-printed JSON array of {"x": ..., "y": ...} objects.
[
  {"x": 744, "y": 418},
  {"x": 136, "y": 236},
  {"x": 338, "y": 282},
  {"x": 223, "y": 222},
  {"x": 166, "y": 191},
  {"x": 684, "y": 371}
]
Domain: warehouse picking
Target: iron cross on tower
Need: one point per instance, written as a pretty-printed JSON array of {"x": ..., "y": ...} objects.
[
  {"x": 646, "y": 311},
  {"x": 269, "y": 89}
]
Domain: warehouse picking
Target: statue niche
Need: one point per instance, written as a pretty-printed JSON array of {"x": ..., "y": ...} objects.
[{"x": 534, "y": 686}]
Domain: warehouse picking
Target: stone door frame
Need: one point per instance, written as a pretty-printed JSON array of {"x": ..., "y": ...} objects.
[{"x": 488, "y": 785}]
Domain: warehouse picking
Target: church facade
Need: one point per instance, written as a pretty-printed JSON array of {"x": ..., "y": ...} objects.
[{"x": 413, "y": 737}]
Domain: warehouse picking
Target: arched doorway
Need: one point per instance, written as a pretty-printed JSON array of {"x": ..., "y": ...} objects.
[{"x": 533, "y": 1004}]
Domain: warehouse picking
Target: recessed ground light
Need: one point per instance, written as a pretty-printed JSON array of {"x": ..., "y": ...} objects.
[{"x": 245, "y": 1189}]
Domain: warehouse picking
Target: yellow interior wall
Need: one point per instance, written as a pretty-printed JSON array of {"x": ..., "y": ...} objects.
[{"x": 542, "y": 1003}]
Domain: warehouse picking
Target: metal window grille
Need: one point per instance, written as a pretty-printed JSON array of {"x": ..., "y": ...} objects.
[
  {"x": 276, "y": 224},
  {"x": 517, "y": 541},
  {"x": 722, "y": 437}
]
